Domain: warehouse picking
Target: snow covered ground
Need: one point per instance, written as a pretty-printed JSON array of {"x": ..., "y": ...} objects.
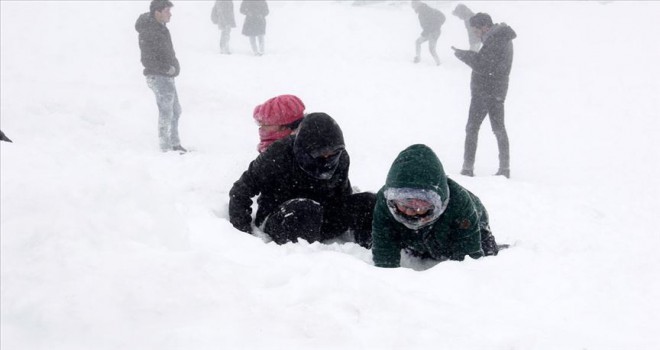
[{"x": 106, "y": 243}]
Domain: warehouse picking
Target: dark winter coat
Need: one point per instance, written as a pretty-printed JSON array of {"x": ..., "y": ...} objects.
[
  {"x": 492, "y": 64},
  {"x": 255, "y": 12},
  {"x": 430, "y": 19},
  {"x": 276, "y": 176},
  {"x": 456, "y": 232},
  {"x": 222, "y": 14},
  {"x": 157, "y": 51}
]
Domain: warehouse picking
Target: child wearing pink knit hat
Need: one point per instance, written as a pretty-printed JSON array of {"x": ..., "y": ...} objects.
[{"x": 277, "y": 118}]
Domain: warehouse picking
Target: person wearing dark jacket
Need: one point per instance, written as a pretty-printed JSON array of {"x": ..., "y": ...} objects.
[
  {"x": 222, "y": 14},
  {"x": 464, "y": 13},
  {"x": 431, "y": 21},
  {"x": 160, "y": 68},
  {"x": 254, "y": 27},
  {"x": 489, "y": 85},
  {"x": 427, "y": 214},
  {"x": 303, "y": 188}
]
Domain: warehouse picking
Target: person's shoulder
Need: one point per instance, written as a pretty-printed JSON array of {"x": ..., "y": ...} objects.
[
  {"x": 459, "y": 196},
  {"x": 278, "y": 151}
]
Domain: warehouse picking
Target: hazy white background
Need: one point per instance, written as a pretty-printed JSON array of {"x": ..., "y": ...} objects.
[{"x": 106, "y": 243}]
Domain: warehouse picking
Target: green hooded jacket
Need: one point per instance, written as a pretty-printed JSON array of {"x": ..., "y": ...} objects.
[{"x": 453, "y": 235}]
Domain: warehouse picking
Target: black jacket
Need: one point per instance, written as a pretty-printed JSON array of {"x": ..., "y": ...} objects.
[
  {"x": 491, "y": 66},
  {"x": 276, "y": 177},
  {"x": 157, "y": 51},
  {"x": 255, "y": 20}
]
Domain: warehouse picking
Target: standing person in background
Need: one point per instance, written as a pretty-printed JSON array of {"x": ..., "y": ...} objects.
[
  {"x": 431, "y": 21},
  {"x": 278, "y": 118},
  {"x": 222, "y": 14},
  {"x": 421, "y": 210},
  {"x": 161, "y": 67},
  {"x": 254, "y": 27},
  {"x": 464, "y": 13},
  {"x": 489, "y": 85}
]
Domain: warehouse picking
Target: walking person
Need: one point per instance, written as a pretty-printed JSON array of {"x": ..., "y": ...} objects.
[
  {"x": 431, "y": 21},
  {"x": 464, "y": 13},
  {"x": 254, "y": 27},
  {"x": 303, "y": 188},
  {"x": 160, "y": 68},
  {"x": 427, "y": 214},
  {"x": 222, "y": 14},
  {"x": 489, "y": 85}
]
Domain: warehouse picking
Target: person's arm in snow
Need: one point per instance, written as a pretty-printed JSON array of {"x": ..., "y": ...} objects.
[
  {"x": 240, "y": 198},
  {"x": 466, "y": 236},
  {"x": 385, "y": 248}
]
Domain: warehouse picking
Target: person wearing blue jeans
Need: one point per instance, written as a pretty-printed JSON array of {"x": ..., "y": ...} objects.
[
  {"x": 160, "y": 68},
  {"x": 169, "y": 111}
]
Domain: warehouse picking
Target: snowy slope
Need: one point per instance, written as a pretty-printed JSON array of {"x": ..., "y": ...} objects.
[{"x": 106, "y": 243}]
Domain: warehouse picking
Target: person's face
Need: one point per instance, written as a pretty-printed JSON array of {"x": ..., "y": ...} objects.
[
  {"x": 163, "y": 16},
  {"x": 413, "y": 206},
  {"x": 480, "y": 32},
  {"x": 272, "y": 128}
]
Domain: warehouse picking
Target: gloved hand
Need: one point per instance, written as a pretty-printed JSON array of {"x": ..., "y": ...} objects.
[
  {"x": 458, "y": 52},
  {"x": 171, "y": 71}
]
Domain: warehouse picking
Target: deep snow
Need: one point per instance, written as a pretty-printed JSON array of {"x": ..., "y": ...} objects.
[{"x": 106, "y": 243}]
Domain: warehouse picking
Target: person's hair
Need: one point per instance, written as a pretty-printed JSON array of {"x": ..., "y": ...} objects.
[
  {"x": 481, "y": 20},
  {"x": 293, "y": 125},
  {"x": 159, "y": 5}
]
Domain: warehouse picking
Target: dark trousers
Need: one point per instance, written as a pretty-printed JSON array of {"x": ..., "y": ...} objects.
[
  {"x": 479, "y": 108},
  {"x": 313, "y": 222}
]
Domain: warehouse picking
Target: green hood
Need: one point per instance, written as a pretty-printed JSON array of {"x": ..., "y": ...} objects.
[{"x": 418, "y": 167}]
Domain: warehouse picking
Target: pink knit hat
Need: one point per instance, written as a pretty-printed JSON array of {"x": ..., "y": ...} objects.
[{"x": 279, "y": 110}]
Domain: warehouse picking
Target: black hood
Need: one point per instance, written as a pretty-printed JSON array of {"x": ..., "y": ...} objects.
[
  {"x": 146, "y": 22},
  {"x": 500, "y": 32},
  {"x": 318, "y": 135}
]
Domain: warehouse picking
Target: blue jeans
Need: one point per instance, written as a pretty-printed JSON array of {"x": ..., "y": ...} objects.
[{"x": 169, "y": 110}]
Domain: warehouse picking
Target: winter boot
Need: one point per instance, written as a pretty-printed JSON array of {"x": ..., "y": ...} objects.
[
  {"x": 503, "y": 172},
  {"x": 179, "y": 149}
]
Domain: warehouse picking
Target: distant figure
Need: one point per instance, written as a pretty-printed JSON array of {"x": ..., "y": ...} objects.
[
  {"x": 254, "y": 27},
  {"x": 464, "y": 13},
  {"x": 431, "y": 21},
  {"x": 223, "y": 15},
  {"x": 489, "y": 85},
  {"x": 303, "y": 188},
  {"x": 278, "y": 118},
  {"x": 160, "y": 68},
  {"x": 421, "y": 210},
  {"x": 4, "y": 137}
]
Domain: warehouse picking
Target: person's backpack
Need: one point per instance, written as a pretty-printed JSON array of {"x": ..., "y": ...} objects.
[{"x": 440, "y": 16}]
